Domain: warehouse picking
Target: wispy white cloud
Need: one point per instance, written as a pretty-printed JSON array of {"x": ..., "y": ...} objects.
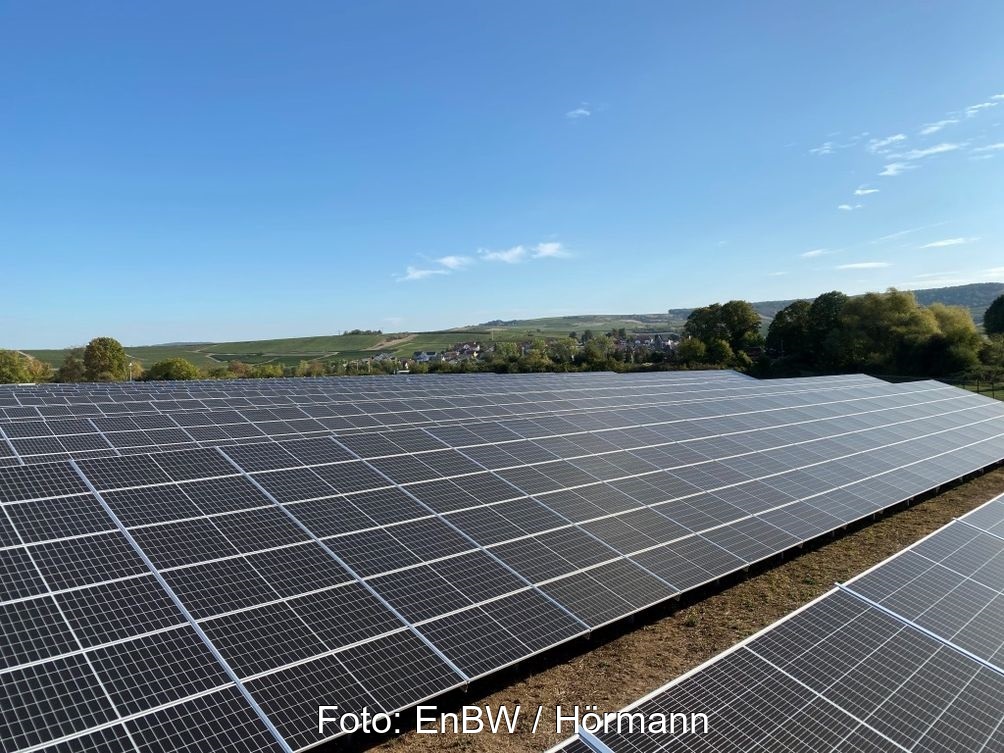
[
  {"x": 816, "y": 253},
  {"x": 447, "y": 265},
  {"x": 898, "y": 159},
  {"x": 946, "y": 242},
  {"x": 895, "y": 168},
  {"x": 865, "y": 265},
  {"x": 776, "y": 274},
  {"x": 909, "y": 231},
  {"x": 999, "y": 146},
  {"x": 455, "y": 262},
  {"x": 915, "y": 154},
  {"x": 849, "y": 207},
  {"x": 412, "y": 274},
  {"x": 551, "y": 249},
  {"x": 584, "y": 110},
  {"x": 974, "y": 110},
  {"x": 518, "y": 254},
  {"x": 513, "y": 255},
  {"x": 829, "y": 146},
  {"x": 880, "y": 146},
  {"x": 937, "y": 125}
]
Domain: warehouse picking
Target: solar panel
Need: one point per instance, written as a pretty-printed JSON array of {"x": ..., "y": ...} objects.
[
  {"x": 392, "y": 558},
  {"x": 211, "y": 420},
  {"x": 908, "y": 656}
]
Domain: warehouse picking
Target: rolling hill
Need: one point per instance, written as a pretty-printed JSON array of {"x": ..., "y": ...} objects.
[
  {"x": 290, "y": 351},
  {"x": 975, "y": 297}
]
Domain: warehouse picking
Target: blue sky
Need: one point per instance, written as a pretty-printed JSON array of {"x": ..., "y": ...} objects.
[{"x": 231, "y": 170}]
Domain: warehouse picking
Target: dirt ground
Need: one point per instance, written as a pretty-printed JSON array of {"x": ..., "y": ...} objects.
[{"x": 615, "y": 668}]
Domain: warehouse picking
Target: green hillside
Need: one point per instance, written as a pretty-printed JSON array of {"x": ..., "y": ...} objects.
[
  {"x": 292, "y": 350},
  {"x": 976, "y": 297}
]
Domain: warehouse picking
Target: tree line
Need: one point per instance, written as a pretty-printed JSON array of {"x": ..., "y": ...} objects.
[
  {"x": 884, "y": 334},
  {"x": 878, "y": 333}
]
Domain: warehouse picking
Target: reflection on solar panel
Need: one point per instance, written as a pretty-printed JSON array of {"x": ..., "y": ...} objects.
[
  {"x": 908, "y": 656},
  {"x": 197, "y": 568}
]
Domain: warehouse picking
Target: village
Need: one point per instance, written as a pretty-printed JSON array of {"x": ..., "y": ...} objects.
[{"x": 638, "y": 347}]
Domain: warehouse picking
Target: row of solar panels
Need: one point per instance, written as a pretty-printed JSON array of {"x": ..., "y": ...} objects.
[
  {"x": 207, "y": 599},
  {"x": 54, "y": 400},
  {"x": 43, "y": 440},
  {"x": 908, "y": 656}
]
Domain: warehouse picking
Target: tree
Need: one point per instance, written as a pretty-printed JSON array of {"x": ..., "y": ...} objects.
[
  {"x": 882, "y": 331},
  {"x": 266, "y": 371},
  {"x": 105, "y": 360},
  {"x": 72, "y": 369},
  {"x": 890, "y": 333},
  {"x": 316, "y": 368},
  {"x": 992, "y": 353},
  {"x": 788, "y": 334},
  {"x": 720, "y": 352},
  {"x": 741, "y": 323},
  {"x": 14, "y": 367},
  {"x": 20, "y": 368},
  {"x": 596, "y": 352},
  {"x": 956, "y": 347},
  {"x": 692, "y": 351},
  {"x": 735, "y": 322},
  {"x": 535, "y": 359},
  {"x": 705, "y": 323},
  {"x": 239, "y": 369},
  {"x": 563, "y": 351},
  {"x": 993, "y": 320},
  {"x": 173, "y": 369},
  {"x": 824, "y": 337}
]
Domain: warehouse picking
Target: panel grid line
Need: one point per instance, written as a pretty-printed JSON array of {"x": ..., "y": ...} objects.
[
  {"x": 372, "y": 591},
  {"x": 228, "y": 670}
]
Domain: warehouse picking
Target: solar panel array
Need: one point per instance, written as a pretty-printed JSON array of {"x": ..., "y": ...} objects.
[
  {"x": 47, "y": 422},
  {"x": 908, "y": 656},
  {"x": 197, "y": 569}
]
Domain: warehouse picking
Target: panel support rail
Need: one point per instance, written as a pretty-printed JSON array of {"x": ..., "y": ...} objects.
[
  {"x": 920, "y": 629},
  {"x": 966, "y": 523},
  {"x": 593, "y": 742}
]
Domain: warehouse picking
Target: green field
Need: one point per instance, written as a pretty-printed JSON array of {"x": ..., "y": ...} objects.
[
  {"x": 598, "y": 323},
  {"x": 290, "y": 351}
]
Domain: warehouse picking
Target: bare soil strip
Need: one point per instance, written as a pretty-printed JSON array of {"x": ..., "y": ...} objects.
[{"x": 392, "y": 343}]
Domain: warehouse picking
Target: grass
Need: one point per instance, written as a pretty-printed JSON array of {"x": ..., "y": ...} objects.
[
  {"x": 146, "y": 355},
  {"x": 987, "y": 389},
  {"x": 601, "y": 323}
]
